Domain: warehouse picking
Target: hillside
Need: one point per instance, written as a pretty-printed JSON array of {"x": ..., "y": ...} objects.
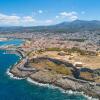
[{"x": 75, "y": 26}]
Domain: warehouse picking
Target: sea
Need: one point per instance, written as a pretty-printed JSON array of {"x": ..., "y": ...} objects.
[{"x": 14, "y": 88}]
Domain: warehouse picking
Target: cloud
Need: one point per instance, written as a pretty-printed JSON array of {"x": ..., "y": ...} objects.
[
  {"x": 69, "y": 15},
  {"x": 48, "y": 22},
  {"x": 40, "y": 11},
  {"x": 15, "y": 20},
  {"x": 9, "y": 19},
  {"x": 37, "y": 12},
  {"x": 73, "y": 18},
  {"x": 57, "y": 17},
  {"x": 28, "y": 19}
]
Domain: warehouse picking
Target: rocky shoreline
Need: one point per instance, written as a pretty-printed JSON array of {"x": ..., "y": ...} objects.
[{"x": 65, "y": 82}]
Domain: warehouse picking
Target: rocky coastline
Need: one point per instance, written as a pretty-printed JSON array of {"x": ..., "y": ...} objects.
[{"x": 65, "y": 82}]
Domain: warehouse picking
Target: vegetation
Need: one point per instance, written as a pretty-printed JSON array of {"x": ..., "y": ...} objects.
[
  {"x": 97, "y": 72},
  {"x": 51, "y": 66},
  {"x": 87, "y": 76},
  {"x": 90, "y": 75},
  {"x": 53, "y": 49},
  {"x": 81, "y": 52},
  {"x": 72, "y": 50},
  {"x": 60, "y": 69},
  {"x": 40, "y": 51}
]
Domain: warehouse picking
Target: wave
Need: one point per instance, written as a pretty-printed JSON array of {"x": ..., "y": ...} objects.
[
  {"x": 12, "y": 76},
  {"x": 51, "y": 86},
  {"x": 62, "y": 90}
]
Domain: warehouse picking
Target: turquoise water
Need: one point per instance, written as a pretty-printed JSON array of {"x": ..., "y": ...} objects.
[
  {"x": 11, "y": 89},
  {"x": 15, "y": 42}
]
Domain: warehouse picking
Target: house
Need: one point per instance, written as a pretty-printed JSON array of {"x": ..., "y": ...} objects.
[{"x": 78, "y": 64}]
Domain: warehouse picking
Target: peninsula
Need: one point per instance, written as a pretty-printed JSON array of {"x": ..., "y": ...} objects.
[{"x": 50, "y": 62}]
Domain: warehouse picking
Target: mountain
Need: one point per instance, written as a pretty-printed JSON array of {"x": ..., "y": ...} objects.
[
  {"x": 79, "y": 25},
  {"x": 74, "y": 26}
]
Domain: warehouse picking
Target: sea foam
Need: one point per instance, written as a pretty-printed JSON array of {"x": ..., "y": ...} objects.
[
  {"x": 62, "y": 90},
  {"x": 50, "y": 86},
  {"x": 12, "y": 76}
]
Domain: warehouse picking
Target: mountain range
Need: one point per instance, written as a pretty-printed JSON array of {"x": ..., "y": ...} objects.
[{"x": 74, "y": 26}]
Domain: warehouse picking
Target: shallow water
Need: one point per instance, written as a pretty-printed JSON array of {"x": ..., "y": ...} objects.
[{"x": 15, "y": 42}]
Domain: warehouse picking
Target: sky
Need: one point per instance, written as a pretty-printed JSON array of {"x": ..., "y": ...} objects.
[{"x": 47, "y": 12}]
